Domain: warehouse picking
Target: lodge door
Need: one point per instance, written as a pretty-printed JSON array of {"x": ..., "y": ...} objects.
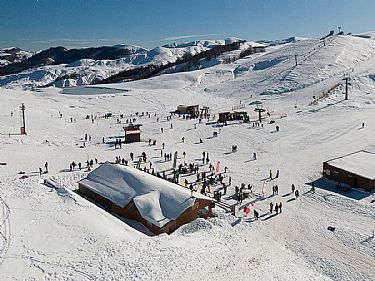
[{"x": 355, "y": 181}]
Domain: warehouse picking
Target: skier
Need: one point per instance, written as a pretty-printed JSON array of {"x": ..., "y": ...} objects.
[
  {"x": 163, "y": 144},
  {"x": 277, "y": 174},
  {"x": 46, "y": 167},
  {"x": 280, "y": 206},
  {"x": 271, "y": 207},
  {"x": 363, "y": 125},
  {"x": 79, "y": 165},
  {"x": 277, "y": 208},
  {"x": 254, "y": 156},
  {"x": 293, "y": 188},
  {"x": 270, "y": 174},
  {"x": 183, "y": 139},
  {"x": 184, "y": 154},
  {"x": 40, "y": 171},
  {"x": 200, "y": 140}
]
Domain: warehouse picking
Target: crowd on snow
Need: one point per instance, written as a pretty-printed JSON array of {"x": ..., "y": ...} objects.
[{"x": 204, "y": 180}]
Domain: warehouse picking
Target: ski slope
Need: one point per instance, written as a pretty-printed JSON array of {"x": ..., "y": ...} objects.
[{"x": 54, "y": 234}]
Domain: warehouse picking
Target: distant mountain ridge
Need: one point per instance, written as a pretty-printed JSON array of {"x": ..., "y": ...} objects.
[
  {"x": 62, "y": 67},
  {"x": 61, "y": 55},
  {"x": 13, "y": 55}
]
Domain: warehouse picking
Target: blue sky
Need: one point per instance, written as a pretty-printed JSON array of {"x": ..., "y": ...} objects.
[{"x": 39, "y": 24}]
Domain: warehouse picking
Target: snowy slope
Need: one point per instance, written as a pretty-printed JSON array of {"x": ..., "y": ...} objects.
[{"x": 54, "y": 234}]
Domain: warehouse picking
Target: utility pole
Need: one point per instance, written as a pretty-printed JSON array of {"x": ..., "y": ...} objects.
[
  {"x": 346, "y": 79},
  {"x": 295, "y": 58},
  {"x": 23, "y": 126}
]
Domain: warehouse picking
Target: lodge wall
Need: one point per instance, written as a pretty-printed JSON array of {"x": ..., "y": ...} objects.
[{"x": 344, "y": 176}]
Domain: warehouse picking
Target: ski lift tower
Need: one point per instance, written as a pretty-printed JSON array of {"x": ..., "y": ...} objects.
[
  {"x": 347, "y": 84},
  {"x": 23, "y": 120},
  {"x": 259, "y": 109}
]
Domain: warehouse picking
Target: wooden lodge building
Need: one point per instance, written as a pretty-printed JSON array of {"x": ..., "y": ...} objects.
[
  {"x": 231, "y": 116},
  {"x": 158, "y": 204},
  {"x": 192, "y": 110},
  {"x": 356, "y": 169}
]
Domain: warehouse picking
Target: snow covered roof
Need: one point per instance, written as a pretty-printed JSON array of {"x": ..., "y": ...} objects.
[
  {"x": 361, "y": 163},
  {"x": 158, "y": 201}
]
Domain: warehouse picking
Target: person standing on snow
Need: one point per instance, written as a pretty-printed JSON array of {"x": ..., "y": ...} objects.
[
  {"x": 46, "y": 167},
  {"x": 296, "y": 193},
  {"x": 256, "y": 214},
  {"x": 271, "y": 207}
]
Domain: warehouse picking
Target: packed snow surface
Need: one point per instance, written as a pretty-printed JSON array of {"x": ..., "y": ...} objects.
[{"x": 49, "y": 232}]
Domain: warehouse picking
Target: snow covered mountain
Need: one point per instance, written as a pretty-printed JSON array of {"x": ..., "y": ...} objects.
[
  {"x": 66, "y": 68},
  {"x": 13, "y": 55}
]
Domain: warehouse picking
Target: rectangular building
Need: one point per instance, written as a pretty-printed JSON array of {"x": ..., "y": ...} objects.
[{"x": 356, "y": 169}]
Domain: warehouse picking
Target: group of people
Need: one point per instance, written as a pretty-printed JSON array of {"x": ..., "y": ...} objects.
[
  {"x": 118, "y": 143},
  {"x": 45, "y": 169},
  {"x": 276, "y": 176},
  {"x": 277, "y": 207},
  {"x": 89, "y": 165}
]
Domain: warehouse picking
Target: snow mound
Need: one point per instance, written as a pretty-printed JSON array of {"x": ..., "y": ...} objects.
[{"x": 196, "y": 226}]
